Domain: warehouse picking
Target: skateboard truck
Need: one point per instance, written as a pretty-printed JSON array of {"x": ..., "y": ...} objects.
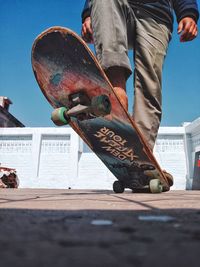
[{"x": 82, "y": 108}]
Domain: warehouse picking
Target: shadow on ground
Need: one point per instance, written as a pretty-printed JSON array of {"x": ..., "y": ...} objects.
[{"x": 68, "y": 238}]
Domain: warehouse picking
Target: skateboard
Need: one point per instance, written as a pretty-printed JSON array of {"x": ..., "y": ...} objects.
[{"x": 76, "y": 86}]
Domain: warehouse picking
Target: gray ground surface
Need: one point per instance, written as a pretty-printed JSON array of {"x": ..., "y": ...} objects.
[{"x": 56, "y": 228}]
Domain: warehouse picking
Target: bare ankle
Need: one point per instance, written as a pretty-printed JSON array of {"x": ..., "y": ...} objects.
[{"x": 121, "y": 93}]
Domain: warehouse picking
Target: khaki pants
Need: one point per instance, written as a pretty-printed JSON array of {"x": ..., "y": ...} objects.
[{"x": 117, "y": 27}]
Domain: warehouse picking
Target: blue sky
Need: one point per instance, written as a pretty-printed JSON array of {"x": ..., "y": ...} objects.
[{"x": 22, "y": 20}]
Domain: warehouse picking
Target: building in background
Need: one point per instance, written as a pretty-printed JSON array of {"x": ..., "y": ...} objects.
[
  {"x": 192, "y": 152},
  {"x": 7, "y": 119},
  {"x": 57, "y": 157}
]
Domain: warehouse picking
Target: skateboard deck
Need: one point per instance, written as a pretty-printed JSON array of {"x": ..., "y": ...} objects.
[{"x": 75, "y": 85}]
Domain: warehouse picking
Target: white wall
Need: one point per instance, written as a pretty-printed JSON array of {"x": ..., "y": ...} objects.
[
  {"x": 92, "y": 173},
  {"x": 43, "y": 157},
  {"x": 57, "y": 158},
  {"x": 170, "y": 153}
]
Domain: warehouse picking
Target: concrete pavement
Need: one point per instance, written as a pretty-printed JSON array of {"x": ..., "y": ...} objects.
[{"x": 98, "y": 228}]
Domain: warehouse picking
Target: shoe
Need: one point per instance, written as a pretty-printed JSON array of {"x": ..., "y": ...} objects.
[{"x": 169, "y": 177}]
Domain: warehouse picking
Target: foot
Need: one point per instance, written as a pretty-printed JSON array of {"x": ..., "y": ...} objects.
[{"x": 122, "y": 96}]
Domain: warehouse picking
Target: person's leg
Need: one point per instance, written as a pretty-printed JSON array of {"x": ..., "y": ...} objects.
[
  {"x": 150, "y": 49},
  {"x": 117, "y": 78},
  {"x": 110, "y": 21}
]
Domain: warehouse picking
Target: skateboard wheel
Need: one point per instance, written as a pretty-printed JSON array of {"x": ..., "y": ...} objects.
[
  {"x": 155, "y": 186},
  {"x": 118, "y": 187},
  {"x": 58, "y": 116},
  {"x": 101, "y": 105}
]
